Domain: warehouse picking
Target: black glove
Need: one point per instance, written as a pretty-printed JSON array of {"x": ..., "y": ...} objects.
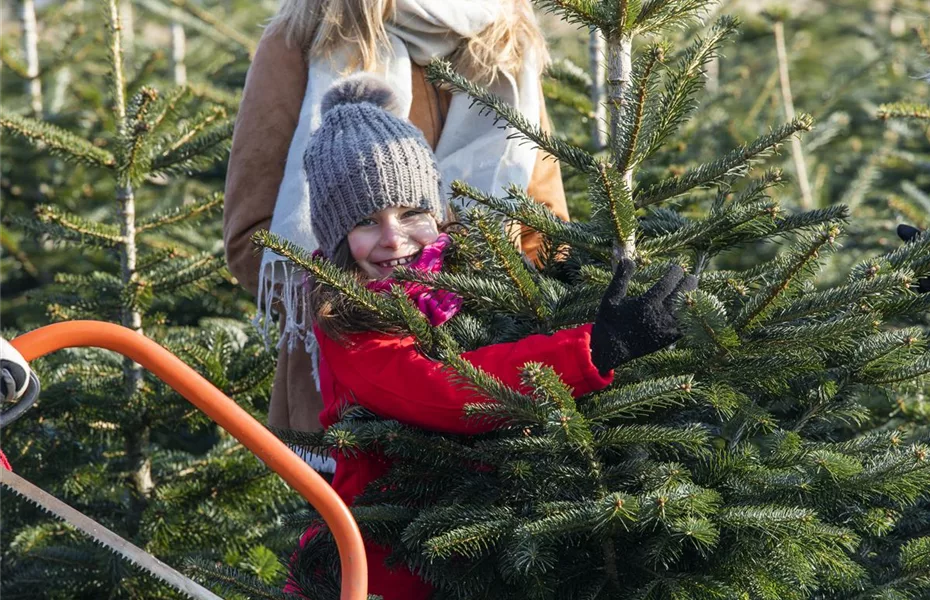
[
  {"x": 627, "y": 328},
  {"x": 907, "y": 233},
  {"x": 14, "y": 372}
]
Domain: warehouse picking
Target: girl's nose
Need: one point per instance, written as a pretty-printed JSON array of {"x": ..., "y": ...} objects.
[{"x": 391, "y": 233}]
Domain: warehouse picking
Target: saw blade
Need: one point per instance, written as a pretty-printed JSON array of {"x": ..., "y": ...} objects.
[{"x": 101, "y": 534}]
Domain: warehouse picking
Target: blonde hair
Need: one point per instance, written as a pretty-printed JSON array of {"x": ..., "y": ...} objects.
[{"x": 319, "y": 26}]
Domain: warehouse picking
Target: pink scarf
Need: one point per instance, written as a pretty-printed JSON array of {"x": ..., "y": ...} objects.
[{"x": 437, "y": 305}]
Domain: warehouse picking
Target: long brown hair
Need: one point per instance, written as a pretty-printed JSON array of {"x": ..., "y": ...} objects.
[
  {"x": 320, "y": 26},
  {"x": 329, "y": 309}
]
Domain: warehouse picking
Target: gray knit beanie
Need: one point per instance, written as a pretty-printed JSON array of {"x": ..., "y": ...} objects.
[{"x": 364, "y": 158}]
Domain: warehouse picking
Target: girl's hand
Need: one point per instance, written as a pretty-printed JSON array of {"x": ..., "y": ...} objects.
[
  {"x": 907, "y": 233},
  {"x": 626, "y": 328}
]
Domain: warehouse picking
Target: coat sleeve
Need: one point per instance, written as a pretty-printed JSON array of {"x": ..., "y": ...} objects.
[
  {"x": 265, "y": 124},
  {"x": 545, "y": 188},
  {"x": 390, "y": 377}
]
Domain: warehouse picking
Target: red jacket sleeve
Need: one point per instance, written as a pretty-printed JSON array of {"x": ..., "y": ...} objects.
[{"x": 390, "y": 377}]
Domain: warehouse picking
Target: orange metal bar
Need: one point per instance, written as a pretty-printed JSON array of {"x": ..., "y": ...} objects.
[{"x": 229, "y": 415}]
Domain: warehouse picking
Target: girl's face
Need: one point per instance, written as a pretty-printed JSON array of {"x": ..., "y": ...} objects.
[{"x": 391, "y": 238}]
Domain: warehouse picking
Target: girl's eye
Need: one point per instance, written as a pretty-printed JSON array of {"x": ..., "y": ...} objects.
[
  {"x": 410, "y": 214},
  {"x": 365, "y": 223}
]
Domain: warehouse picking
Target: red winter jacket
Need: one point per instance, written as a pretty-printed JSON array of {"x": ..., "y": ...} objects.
[{"x": 390, "y": 377}]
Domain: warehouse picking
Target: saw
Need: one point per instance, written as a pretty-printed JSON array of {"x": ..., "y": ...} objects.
[
  {"x": 104, "y": 536},
  {"x": 25, "y": 393},
  {"x": 216, "y": 405}
]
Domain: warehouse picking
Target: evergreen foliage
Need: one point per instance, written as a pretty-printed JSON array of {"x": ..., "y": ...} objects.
[
  {"x": 111, "y": 212},
  {"x": 729, "y": 466}
]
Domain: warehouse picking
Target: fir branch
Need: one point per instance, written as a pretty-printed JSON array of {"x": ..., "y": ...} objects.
[
  {"x": 328, "y": 274},
  {"x": 166, "y": 110},
  {"x": 508, "y": 259},
  {"x": 547, "y": 386},
  {"x": 231, "y": 581},
  {"x": 59, "y": 142},
  {"x": 178, "y": 274},
  {"x": 903, "y": 110},
  {"x": 587, "y": 13},
  {"x": 692, "y": 437},
  {"x": 837, "y": 298},
  {"x": 137, "y": 131},
  {"x": 439, "y": 71},
  {"x": 14, "y": 64},
  {"x": 642, "y": 88},
  {"x": 675, "y": 104},
  {"x": 520, "y": 207},
  {"x": 918, "y": 369},
  {"x": 802, "y": 257},
  {"x": 567, "y": 72},
  {"x": 705, "y": 317},
  {"x": 202, "y": 141},
  {"x": 832, "y": 336},
  {"x": 578, "y": 305},
  {"x": 203, "y": 22},
  {"x": 656, "y": 15},
  {"x": 734, "y": 162},
  {"x": 508, "y": 406},
  {"x": 716, "y": 233},
  {"x": 639, "y": 399},
  {"x": 78, "y": 229},
  {"x": 561, "y": 95},
  {"x": 613, "y": 202},
  {"x": 197, "y": 125},
  {"x": 186, "y": 213},
  {"x": 811, "y": 218}
]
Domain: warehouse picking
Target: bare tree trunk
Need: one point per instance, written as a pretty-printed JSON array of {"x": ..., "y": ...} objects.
[
  {"x": 713, "y": 74},
  {"x": 59, "y": 89},
  {"x": 178, "y": 52},
  {"x": 27, "y": 19},
  {"x": 137, "y": 436},
  {"x": 128, "y": 28},
  {"x": 619, "y": 72},
  {"x": 796, "y": 152},
  {"x": 597, "y": 52}
]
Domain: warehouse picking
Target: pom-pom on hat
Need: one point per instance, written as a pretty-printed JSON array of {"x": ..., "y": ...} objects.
[{"x": 364, "y": 158}]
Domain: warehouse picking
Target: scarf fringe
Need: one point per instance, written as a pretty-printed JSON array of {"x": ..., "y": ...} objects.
[
  {"x": 319, "y": 463},
  {"x": 281, "y": 282}
]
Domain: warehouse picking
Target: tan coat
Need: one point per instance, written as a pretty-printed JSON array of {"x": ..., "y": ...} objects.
[{"x": 271, "y": 101}]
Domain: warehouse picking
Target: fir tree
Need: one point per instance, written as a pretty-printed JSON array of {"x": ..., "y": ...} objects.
[
  {"x": 729, "y": 466},
  {"x": 123, "y": 181}
]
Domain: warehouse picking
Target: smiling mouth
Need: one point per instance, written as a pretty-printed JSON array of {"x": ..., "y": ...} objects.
[{"x": 398, "y": 262}]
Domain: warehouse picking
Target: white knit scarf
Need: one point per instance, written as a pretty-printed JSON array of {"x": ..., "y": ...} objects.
[{"x": 470, "y": 147}]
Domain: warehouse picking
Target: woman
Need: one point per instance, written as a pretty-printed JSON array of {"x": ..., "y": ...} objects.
[{"x": 308, "y": 45}]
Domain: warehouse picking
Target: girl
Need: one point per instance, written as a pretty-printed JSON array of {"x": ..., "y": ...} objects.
[
  {"x": 376, "y": 204},
  {"x": 307, "y": 46}
]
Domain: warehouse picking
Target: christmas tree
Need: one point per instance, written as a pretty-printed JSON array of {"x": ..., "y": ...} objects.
[
  {"x": 729, "y": 466},
  {"x": 111, "y": 209}
]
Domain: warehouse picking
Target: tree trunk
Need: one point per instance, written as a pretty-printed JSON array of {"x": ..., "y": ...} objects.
[
  {"x": 619, "y": 72},
  {"x": 797, "y": 153},
  {"x": 27, "y": 19},
  {"x": 713, "y": 74},
  {"x": 597, "y": 51},
  {"x": 137, "y": 438},
  {"x": 128, "y": 31},
  {"x": 178, "y": 53}
]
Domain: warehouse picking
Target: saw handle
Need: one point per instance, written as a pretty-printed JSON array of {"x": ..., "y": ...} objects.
[{"x": 205, "y": 396}]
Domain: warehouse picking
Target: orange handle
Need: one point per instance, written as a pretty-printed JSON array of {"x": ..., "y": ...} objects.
[{"x": 205, "y": 396}]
